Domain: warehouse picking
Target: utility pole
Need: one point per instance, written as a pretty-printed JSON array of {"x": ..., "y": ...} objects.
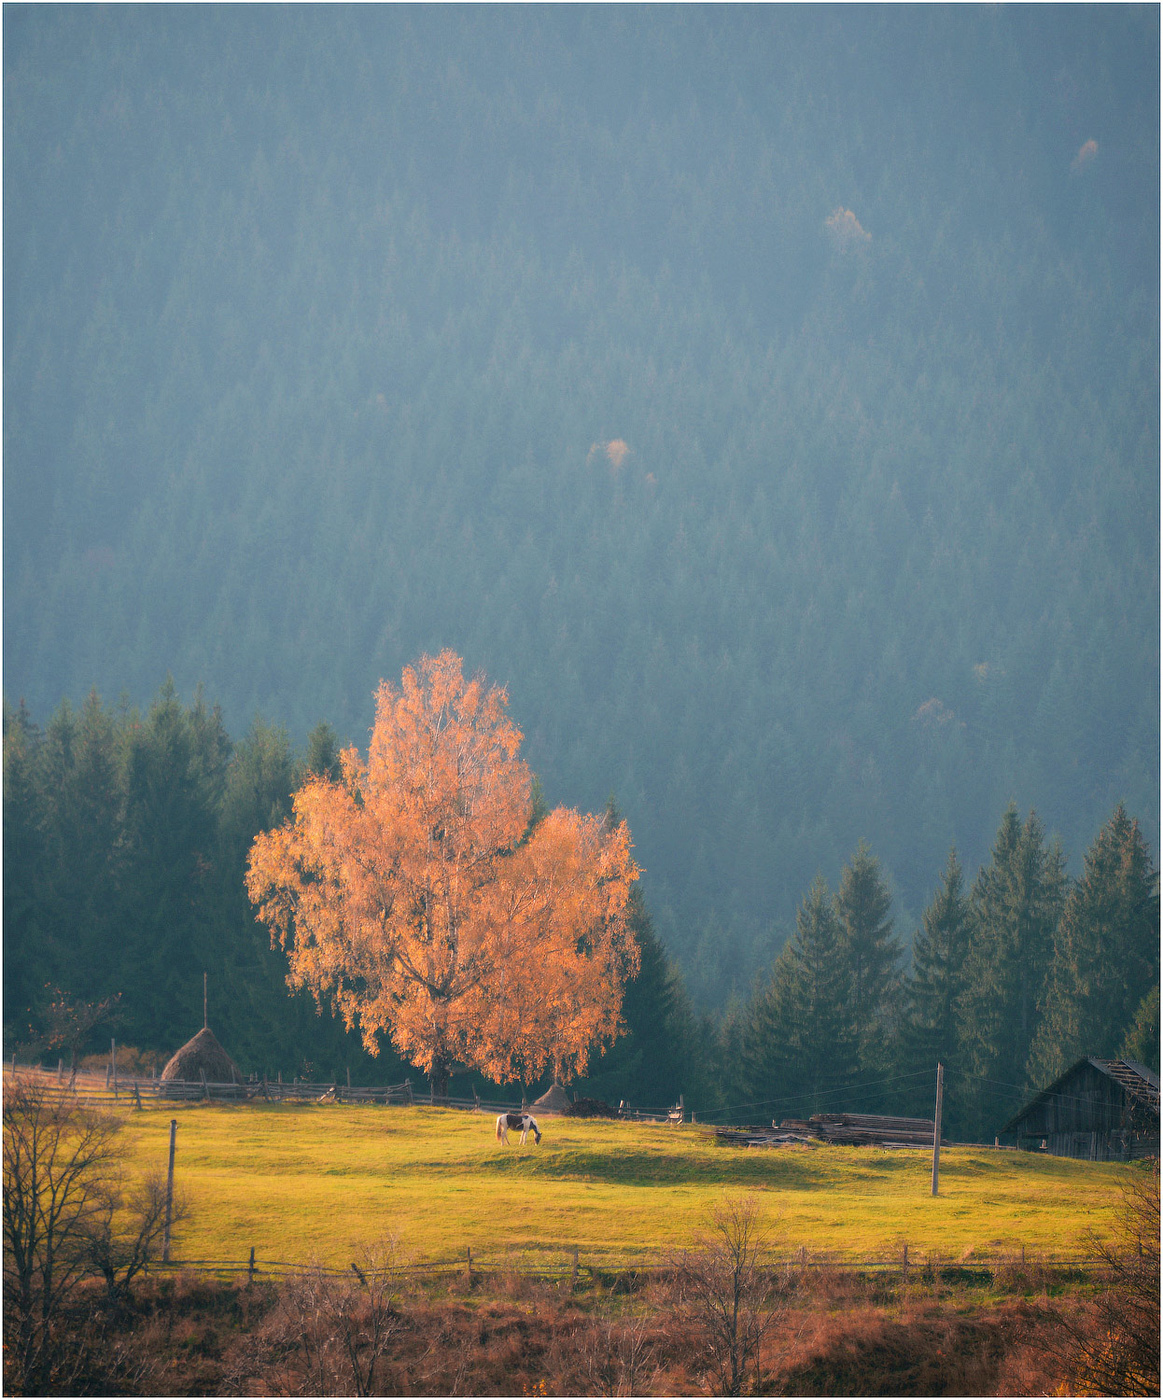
[
  {"x": 937, "y": 1126},
  {"x": 205, "y": 1018},
  {"x": 170, "y": 1192}
]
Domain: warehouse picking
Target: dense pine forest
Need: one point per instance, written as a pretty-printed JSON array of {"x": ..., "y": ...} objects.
[
  {"x": 125, "y": 845},
  {"x": 768, "y": 398}
]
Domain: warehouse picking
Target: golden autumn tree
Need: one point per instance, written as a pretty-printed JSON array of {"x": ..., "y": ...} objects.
[{"x": 422, "y": 895}]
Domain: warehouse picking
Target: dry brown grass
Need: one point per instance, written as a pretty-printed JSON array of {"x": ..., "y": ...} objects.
[{"x": 506, "y": 1334}]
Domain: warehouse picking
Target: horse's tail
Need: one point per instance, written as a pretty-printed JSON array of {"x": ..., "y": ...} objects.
[{"x": 499, "y": 1117}]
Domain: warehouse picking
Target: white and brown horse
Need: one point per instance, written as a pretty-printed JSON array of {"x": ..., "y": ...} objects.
[{"x": 527, "y": 1125}]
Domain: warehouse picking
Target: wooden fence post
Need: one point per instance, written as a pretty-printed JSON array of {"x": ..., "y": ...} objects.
[
  {"x": 136, "y": 1095},
  {"x": 169, "y": 1192},
  {"x": 573, "y": 1271},
  {"x": 250, "y": 1266},
  {"x": 468, "y": 1264},
  {"x": 905, "y": 1264}
]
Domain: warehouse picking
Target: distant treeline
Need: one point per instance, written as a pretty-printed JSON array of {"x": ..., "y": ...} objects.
[
  {"x": 125, "y": 840},
  {"x": 766, "y": 395}
]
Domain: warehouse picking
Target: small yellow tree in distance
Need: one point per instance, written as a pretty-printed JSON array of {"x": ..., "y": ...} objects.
[{"x": 423, "y": 895}]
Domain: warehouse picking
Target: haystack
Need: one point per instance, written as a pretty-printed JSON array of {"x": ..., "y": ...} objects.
[
  {"x": 554, "y": 1100},
  {"x": 202, "y": 1055}
]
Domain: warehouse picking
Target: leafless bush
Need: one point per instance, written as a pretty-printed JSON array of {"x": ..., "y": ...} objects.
[
  {"x": 126, "y": 1231},
  {"x": 327, "y": 1333},
  {"x": 60, "y": 1162},
  {"x": 1020, "y": 1272},
  {"x": 618, "y": 1355},
  {"x": 1120, "y": 1355},
  {"x": 727, "y": 1295}
]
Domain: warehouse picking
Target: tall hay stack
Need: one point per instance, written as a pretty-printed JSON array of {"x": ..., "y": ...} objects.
[{"x": 202, "y": 1056}]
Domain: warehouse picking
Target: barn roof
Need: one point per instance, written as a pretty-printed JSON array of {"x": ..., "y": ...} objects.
[{"x": 1140, "y": 1084}]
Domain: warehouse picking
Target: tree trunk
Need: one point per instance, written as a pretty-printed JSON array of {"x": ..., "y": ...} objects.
[{"x": 439, "y": 1076}]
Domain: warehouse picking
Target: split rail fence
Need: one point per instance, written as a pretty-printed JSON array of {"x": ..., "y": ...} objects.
[
  {"x": 907, "y": 1265},
  {"x": 135, "y": 1091}
]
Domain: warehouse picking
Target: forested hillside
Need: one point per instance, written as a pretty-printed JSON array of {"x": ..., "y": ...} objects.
[
  {"x": 126, "y": 841},
  {"x": 767, "y": 397}
]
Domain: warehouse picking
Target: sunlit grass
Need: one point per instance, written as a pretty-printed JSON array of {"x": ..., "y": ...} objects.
[{"x": 314, "y": 1182}]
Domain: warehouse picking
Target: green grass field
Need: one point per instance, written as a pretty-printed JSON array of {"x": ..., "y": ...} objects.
[{"x": 303, "y": 1183}]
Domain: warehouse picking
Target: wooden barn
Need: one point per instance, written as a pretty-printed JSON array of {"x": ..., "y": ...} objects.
[{"x": 1099, "y": 1110}]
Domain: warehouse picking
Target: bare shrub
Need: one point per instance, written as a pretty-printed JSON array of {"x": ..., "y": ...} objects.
[
  {"x": 127, "y": 1230},
  {"x": 618, "y": 1355},
  {"x": 60, "y": 1162},
  {"x": 727, "y": 1295},
  {"x": 328, "y": 1333},
  {"x": 1019, "y": 1272},
  {"x": 1119, "y": 1354},
  {"x": 131, "y": 1063}
]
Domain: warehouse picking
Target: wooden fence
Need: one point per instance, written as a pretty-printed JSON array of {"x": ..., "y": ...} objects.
[
  {"x": 135, "y": 1092},
  {"x": 914, "y": 1265}
]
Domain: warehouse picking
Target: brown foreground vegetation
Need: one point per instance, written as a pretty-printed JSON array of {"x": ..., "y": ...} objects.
[{"x": 510, "y": 1335}]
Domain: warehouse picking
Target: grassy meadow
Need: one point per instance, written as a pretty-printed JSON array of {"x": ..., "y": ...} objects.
[{"x": 315, "y": 1182}]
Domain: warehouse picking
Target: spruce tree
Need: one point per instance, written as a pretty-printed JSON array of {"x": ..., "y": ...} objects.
[
  {"x": 322, "y": 756},
  {"x": 1015, "y": 906},
  {"x": 872, "y": 954},
  {"x": 1105, "y": 954},
  {"x": 1141, "y": 1042},
  {"x": 176, "y": 764},
  {"x": 26, "y": 967},
  {"x": 801, "y": 1049},
  {"x": 929, "y": 1019},
  {"x": 647, "y": 1065}
]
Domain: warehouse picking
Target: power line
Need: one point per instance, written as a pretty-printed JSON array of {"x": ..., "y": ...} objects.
[{"x": 822, "y": 1094}]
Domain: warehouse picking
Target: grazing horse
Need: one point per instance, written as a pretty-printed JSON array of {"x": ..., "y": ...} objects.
[{"x": 505, "y": 1121}]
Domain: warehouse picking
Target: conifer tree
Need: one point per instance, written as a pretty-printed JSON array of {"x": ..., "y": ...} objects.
[
  {"x": 871, "y": 952},
  {"x": 800, "y": 1041},
  {"x": 1141, "y": 1042},
  {"x": 1106, "y": 952},
  {"x": 1015, "y": 906},
  {"x": 322, "y": 756},
  {"x": 647, "y": 1065},
  {"x": 175, "y": 770},
  {"x": 25, "y": 967},
  {"x": 928, "y": 1034}
]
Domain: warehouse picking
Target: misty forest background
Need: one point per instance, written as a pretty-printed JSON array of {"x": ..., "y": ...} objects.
[{"x": 768, "y": 398}]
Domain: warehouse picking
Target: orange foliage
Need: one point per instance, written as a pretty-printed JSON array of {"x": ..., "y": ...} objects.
[
  {"x": 617, "y": 451},
  {"x": 845, "y": 229},
  {"x": 419, "y": 895}
]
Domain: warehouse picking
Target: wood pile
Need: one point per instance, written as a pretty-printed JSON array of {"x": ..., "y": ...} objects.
[
  {"x": 850, "y": 1129},
  {"x": 873, "y": 1130}
]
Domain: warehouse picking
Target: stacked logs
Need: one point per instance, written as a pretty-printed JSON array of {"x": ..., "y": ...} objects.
[{"x": 849, "y": 1129}]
